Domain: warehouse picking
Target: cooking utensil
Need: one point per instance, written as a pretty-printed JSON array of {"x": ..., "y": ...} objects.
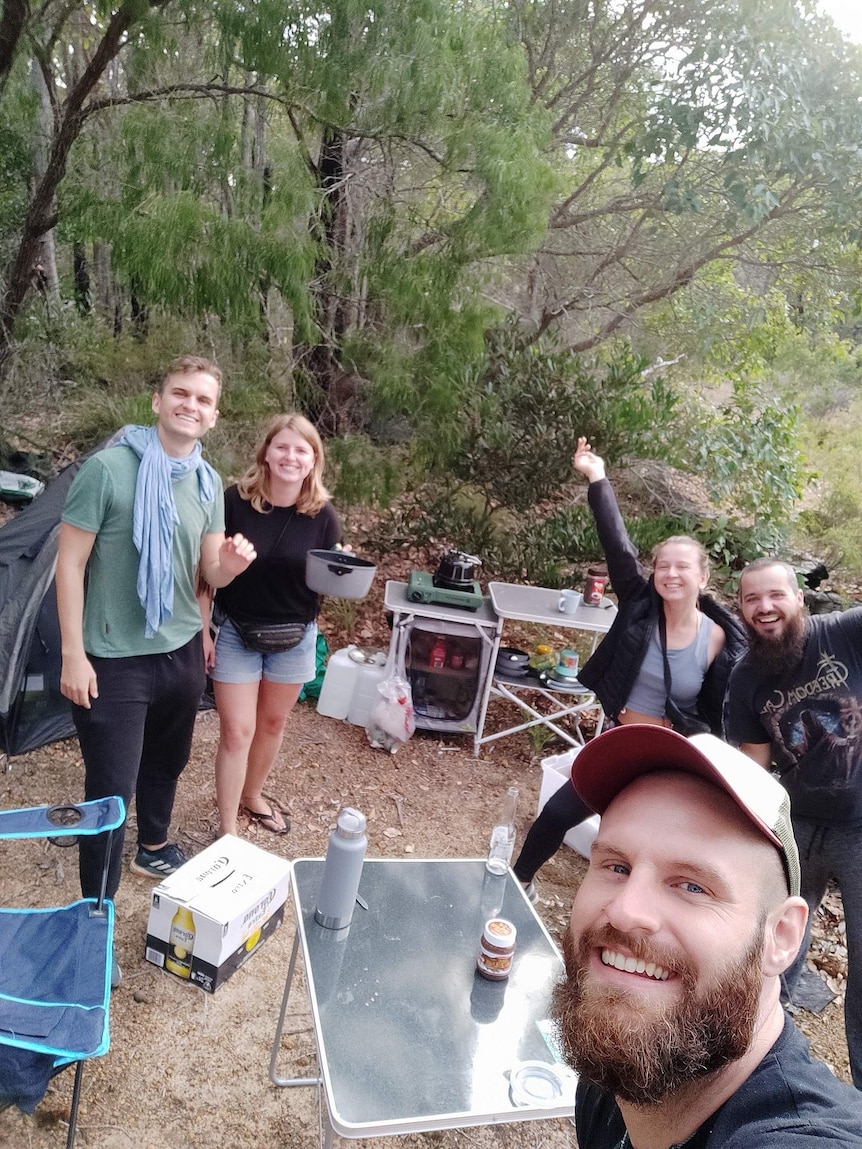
[
  {"x": 456, "y": 571},
  {"x": 340, "y": 574}
]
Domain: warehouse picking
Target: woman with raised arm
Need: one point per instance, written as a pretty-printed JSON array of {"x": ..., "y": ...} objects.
[
  {"x": 665, "y": 660},
  {"x": 285, "y": 510}
]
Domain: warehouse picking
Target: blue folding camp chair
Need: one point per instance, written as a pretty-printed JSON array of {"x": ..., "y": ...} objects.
[{"x": 55, "y": 966}]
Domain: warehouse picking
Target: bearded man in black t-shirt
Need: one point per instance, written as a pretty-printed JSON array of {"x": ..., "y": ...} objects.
[
  {"x": 793, "y": 704},
  {"x": 680, "y": 931}
]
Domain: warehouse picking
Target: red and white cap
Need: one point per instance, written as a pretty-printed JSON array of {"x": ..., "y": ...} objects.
[{"x": 608, "y": 763}]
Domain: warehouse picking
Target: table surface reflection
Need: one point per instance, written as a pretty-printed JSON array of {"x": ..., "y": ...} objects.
[{"x": 409, "y": 1036}]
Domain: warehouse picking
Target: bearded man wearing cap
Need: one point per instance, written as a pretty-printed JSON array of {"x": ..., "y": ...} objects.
[
  {"x": 687, "y": 917},
  {"x": 794, "y": 703}
]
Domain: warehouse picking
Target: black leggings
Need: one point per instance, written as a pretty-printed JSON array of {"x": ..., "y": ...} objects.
[{"x": 563, "y": 810}]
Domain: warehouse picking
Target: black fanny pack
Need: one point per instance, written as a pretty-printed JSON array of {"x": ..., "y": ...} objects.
[
  {"x": 270, "y": 637},
  {"x": 684, "y": 722}
]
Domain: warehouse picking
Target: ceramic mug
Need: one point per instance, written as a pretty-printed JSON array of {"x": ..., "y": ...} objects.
[{"x": 568, "y": 601}]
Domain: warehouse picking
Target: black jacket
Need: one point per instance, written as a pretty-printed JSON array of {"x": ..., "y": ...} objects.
[{"x": 612, "y": 670}]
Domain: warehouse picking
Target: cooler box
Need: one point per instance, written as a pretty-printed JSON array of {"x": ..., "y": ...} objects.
[
  {"x": 555, "y": 771},
  {"x": 208, "y": 918}
]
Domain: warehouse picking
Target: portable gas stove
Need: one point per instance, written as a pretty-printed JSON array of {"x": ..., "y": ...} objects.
[{"x": 452, "y": 584}]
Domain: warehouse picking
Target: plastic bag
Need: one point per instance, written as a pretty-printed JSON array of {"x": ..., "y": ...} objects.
[{"x": 392, "y": 720}]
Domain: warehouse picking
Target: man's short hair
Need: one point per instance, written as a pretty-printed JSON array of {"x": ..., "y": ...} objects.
[
  {"x": 189, "y": 365},
  {"x": 764, "y": 563}
]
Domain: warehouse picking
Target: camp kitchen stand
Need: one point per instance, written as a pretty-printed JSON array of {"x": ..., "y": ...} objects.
[{"x": 455, "y": 699}]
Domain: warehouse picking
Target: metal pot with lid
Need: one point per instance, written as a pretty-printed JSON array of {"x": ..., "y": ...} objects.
[{"x": 456, "y": 570}]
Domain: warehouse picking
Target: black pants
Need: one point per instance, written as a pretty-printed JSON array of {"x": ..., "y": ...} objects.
[
  {"x": 834, "y": 852},
  {"x": 563, "y": 810},
  {"x": 135, "y": 741}
]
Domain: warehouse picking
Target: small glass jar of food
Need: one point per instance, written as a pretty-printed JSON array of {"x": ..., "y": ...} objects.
[{"x": 496, "y": 949}]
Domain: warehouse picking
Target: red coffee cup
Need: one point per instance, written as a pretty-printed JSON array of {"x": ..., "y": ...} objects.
[{"x": 594, "y": 588}]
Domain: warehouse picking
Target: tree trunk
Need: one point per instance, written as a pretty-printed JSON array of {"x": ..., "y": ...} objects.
[
  {"x": 322, "y": 361},
  {"x": 81, "y": 270},
  {"x": 103, "y": 279},
  {"x": 12, "y": 24},
  {"x": 45, "y": 278}
]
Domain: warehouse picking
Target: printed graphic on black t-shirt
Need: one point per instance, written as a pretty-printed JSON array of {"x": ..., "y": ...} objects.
[{"x": 813, "y": 719}]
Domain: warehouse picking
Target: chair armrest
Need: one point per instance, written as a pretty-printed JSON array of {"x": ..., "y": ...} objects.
[{"x": 64, "y": 819}]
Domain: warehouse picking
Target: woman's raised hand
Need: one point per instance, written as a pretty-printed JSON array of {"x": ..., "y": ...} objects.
[{"x": 588, "y": 463}]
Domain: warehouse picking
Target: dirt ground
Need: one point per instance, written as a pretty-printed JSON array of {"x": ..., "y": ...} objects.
[{"x": 189, "y": 1069}]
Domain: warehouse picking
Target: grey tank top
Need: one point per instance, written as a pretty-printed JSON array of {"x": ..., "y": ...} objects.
[{"x": 687, "y": 669}]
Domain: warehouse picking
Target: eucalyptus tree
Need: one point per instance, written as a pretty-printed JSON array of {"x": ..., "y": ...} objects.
[
  {"x": 397, "y": 154},
  {"x": 688, "y": 132}
]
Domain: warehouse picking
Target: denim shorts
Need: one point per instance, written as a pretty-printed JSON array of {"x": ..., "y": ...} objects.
[{"x": 235, "y": 663}]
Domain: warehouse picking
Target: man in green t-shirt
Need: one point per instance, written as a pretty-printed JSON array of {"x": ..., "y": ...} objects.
[{"x": 140, "y": 517}]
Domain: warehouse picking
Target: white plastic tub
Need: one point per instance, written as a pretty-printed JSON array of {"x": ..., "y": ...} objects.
[{"x": 556, "y": 770}]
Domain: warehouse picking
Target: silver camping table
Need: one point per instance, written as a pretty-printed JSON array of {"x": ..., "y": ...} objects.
[
  {"x": 409, "y": 1037},
  {"x": 536, "y": 604}
]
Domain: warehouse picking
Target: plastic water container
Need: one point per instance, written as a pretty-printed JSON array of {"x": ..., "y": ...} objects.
[
  {"x": 557, "y": 770},
  {"x": 339, "y": 682},
  {"x": 365, "y": 694}
]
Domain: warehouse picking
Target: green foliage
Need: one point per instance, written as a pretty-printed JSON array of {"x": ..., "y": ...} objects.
[
  {"x": 767, "y": 322},
  {"x": 16, "y": 123},
  {"x": 542, "y": 550},
  {"x": 523, "y": 408},
  {"x": 730, "y": 544},
  {"x": 833, "y": 527},
  {"x": 503, "y": 461},
  {"x": 366, "y": 476},
  {"x": 747, "y": 449},
  {"x": 540, "y": 738},
  {"x": 501, "y": 478},
  {"x": 822, "y": 375},
  {"x": 95, "y": 417}
]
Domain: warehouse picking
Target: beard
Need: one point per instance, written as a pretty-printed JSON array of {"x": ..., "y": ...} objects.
[
  {"x": 643, "y": 1054},
  {"x": 779, "y": 654}
]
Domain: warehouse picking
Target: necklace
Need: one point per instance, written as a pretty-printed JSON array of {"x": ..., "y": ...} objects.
[{"x": 287, "y": 521}]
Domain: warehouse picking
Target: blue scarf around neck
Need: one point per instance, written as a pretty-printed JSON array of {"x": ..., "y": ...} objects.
[{"x": 155, "y": 515}]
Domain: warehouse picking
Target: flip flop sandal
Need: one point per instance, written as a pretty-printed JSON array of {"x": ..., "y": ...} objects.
[
  {"x": 276, "y": 802},
  {"x": 267, "y": 820}
]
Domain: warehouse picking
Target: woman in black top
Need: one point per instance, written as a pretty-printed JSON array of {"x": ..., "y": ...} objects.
[
  {"x": 281, "y": 505},
  {"x": 625, "y": 672}
]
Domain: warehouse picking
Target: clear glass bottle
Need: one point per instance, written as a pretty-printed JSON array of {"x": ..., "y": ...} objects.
[{"x": 503, "y": 835}]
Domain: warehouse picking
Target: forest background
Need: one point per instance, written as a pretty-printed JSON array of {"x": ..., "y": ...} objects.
[{"x": 457, "y": 235}]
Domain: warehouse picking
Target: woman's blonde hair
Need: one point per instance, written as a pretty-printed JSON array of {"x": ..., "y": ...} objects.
[
  {"x": 254, "y": 485},
  {"x": 688, "y": 541}
]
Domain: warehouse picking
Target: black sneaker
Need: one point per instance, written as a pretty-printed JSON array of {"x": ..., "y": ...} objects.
[{"x": 158, "y": 863}]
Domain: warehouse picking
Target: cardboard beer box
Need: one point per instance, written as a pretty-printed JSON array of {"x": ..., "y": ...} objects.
[{"x": 208, "y": 918}]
